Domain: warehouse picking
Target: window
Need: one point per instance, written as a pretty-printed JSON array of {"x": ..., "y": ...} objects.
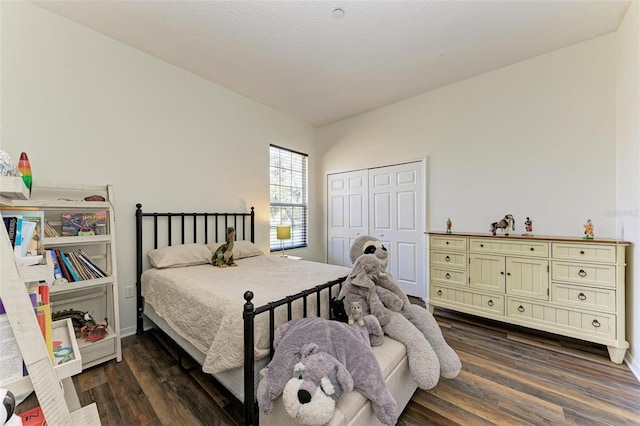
[{"x": 288, "y": 198}]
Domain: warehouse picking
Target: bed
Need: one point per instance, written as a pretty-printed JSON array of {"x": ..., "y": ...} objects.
[{"x": 206, "y": 310}]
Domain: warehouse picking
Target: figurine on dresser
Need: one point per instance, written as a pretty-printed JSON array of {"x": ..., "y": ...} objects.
[
  {"x": 588, "y": 230},
  {"x": 506, "y": 224},
  {"x": 528, "y": 227},
  {"x": 449, "y": 225}
]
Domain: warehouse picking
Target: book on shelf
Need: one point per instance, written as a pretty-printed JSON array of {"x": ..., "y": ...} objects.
[
  {"x": 57, "y": 272},
  {"x": 39, "y": 295},
  {"x": 11, "y": 363},
  {"x": 50, "y": 231},
  {"x": 76, "y": 266},
  {"x": 63, "y": 267},
  {"x": 82, "y": 224},
  {"x": 29, "y": 231},
  {"x": 72, "y": 272},
  {"x": 11, "y": 222}
]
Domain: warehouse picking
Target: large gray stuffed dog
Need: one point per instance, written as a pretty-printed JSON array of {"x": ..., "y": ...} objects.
[
  {"x": 315, "y": 361},
  {"x": 429, "y": 354}
]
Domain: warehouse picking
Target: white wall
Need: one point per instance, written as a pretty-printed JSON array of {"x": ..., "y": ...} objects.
[
  {"x": 533, "y": 139},
  {"x": 627, "y": 161},
  {"x": 537, "y": 138},
  {"x": 89, "y": 109}
]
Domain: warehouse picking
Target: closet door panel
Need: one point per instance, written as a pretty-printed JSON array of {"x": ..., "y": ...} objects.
[{"x": 348, "y": 213}]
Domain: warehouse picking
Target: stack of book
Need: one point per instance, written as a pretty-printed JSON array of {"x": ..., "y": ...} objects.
[
  {"x": 26, "y": 232},
  {"x": 75, "y": 266}
]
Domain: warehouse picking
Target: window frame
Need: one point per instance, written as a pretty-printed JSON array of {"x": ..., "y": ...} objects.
[{"x": 286, "y": 211}]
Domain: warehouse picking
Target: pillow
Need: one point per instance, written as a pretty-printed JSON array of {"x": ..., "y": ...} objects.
[
  {"x": 180, "y": 255},
  {"x": 241, "y": 249}
]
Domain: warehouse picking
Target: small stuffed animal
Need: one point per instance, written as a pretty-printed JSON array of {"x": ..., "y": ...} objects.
[
  {"x": 338, "y": 312},
  {"x": 311, "y": 369},
  {"x": 355, "y": 314},
  {"x": 223, "y": 256}
]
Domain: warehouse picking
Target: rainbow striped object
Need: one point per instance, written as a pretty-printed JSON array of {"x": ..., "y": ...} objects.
[{"x": 24, "y": 167}]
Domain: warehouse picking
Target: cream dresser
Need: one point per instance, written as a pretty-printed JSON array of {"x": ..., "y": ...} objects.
[{"x": 568, "y": 286}]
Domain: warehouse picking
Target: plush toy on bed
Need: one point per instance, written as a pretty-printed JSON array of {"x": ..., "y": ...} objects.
[
  {"x": 429, "y": 354},
  {"x": 223, "y": 256},
  {"x": 315, "y": 362}
]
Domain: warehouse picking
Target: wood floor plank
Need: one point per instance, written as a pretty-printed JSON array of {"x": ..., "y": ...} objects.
[
  {"x": 165, "y": 402},
  {"x": 511, "y": 376}
]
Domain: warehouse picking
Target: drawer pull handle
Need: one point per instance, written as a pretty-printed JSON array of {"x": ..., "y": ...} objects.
[
  {"x": 532, "y": 249},
  {"x": 582, "y": 296},
  {"x": 447, "y": 259},
  {"x": 582, "y": 273},
  {"x": 447, "y": 275},
  {"x": 581, "y": 251},
  {"x": 501, "y": 272},
  {"x": 481, "y": 245},
  {"x": 490, "y": 302},
  {"x": 509, "y": 274},
  {"x": 447, "y": 243},
  {"x": 595, "y": 323},
  {"x": 520, "y": 308},
  {"x": 439, "y": 292}
]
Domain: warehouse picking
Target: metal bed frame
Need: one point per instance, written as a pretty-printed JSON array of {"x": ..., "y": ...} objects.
[{"x": 176, "y": 226}]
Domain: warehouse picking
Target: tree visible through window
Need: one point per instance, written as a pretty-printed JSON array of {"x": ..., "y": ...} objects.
[{"x": 288, "y": 199}]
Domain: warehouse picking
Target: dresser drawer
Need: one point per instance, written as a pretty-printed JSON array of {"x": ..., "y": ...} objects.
[
  {"x": 478, "y": 301},
  {"x": 448, "y": 259},
  {"x": 504, "y": 246},
  {"x": 599, "y": 299},
  {"x": 584, "y": 252},
  {"x": 448, "y": 243},
  {"x": 587, "y": 325},
  {"x": 584, "y": 273},
  {"x": 449, "y": 276}
]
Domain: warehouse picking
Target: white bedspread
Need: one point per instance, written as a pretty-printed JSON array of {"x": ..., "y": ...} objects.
[{"x": 204, "y": 304}]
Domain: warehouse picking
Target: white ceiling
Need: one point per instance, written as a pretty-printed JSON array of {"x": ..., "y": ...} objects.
[{"x": 294, "y": 56}]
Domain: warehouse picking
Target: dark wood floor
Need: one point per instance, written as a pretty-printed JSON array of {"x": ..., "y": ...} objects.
[{"x": 510, "y": 376}]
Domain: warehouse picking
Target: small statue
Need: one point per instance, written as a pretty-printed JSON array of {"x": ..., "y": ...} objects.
[
  {"x": 506, "y": 224},
  {"x": 528, "y": 227},
  {"x": 588, "y": 230},
  {"x": 449, "y": 224}
]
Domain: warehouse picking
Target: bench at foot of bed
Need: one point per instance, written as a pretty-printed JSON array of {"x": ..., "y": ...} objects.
[{"x": 355, "y": 409}]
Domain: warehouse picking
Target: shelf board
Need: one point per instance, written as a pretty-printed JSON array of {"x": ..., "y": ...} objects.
[
  {"x": 13, "y": 188},
  {"x": 50, "y": 242},
  {"x": 79, "y": 285}
]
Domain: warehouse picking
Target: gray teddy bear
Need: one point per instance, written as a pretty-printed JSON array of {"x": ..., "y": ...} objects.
[
  {"x": 429, "y": 354},
  {"x": 316, "y": 360}
]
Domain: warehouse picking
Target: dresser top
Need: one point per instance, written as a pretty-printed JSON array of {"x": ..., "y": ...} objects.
[{"x": 531, "y": 237}]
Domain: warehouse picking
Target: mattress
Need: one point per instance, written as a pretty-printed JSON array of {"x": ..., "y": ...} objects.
[{"x": 203, "y": 304}]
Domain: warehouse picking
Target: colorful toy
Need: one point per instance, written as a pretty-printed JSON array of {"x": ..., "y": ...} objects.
[{"x": 24, "y": 167}]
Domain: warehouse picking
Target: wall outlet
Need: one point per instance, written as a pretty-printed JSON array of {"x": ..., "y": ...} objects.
[{"x": 129, "y": 291}]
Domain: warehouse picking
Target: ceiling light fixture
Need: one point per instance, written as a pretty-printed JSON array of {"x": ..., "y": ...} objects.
[{"x": 338, "y": 13}]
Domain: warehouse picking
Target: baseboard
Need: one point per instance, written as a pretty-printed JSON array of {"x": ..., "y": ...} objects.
[{"x": 633, "y": 364}]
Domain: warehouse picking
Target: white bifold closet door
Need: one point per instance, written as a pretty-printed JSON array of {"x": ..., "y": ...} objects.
[{"x": 387, "y": 203}]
